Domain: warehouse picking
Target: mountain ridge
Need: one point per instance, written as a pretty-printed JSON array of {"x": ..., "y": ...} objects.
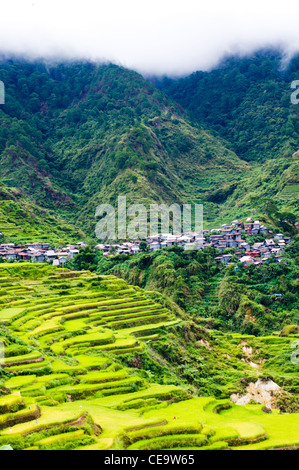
[{"x": 76, "y": 135}]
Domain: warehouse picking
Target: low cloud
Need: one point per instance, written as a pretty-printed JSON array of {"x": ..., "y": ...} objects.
[{"x": 158, "y": 37}]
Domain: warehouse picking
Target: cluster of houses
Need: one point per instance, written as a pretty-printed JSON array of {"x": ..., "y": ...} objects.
[
  {"x": 38, "y": 252},
  {"x": 255, "y": 253},
  {"x": 228, "y": 236}
]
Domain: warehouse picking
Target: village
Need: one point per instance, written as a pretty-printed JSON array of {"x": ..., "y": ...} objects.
[
  {"x": 229, "y": 236},
  {"x": 39, "y": 252}
]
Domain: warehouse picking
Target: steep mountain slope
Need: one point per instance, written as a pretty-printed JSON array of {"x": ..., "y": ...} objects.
[
  {"x": 247, "y": 101},
  {"x": 21, "y": 221},
  {"x": 76, "y": 135},
  {"x": 73, "y": 136}
]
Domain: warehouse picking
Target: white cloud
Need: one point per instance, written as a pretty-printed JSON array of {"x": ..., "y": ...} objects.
[{"x": 160, "y": 36}]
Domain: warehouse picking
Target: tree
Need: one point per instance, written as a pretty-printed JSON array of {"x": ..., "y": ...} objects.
[
  {"x": 143, "y": 246},
  {"x": 86, "y": 260}
]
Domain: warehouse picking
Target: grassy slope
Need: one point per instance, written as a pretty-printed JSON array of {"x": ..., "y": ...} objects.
[
  {"x": 87, "y": 134},
  {"x": 99, "y": 132},
  {"x": 88, "y": 398},
  {"x": 247, "y": 102},
  {"x": 22, "y": 221}
]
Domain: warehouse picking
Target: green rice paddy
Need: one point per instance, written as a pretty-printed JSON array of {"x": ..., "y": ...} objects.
[{"x": 64, "y": 386}]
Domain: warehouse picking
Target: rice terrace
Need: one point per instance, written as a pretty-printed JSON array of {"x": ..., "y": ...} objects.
[{"x": 65, "y": 381}]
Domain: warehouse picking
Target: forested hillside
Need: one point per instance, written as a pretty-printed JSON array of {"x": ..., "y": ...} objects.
[
  {"x": 248, "y": 299},
  {"x": 247, "y": 101},
  {"x": 167, "y": 348},
  {"x": 75, "y": 135}
]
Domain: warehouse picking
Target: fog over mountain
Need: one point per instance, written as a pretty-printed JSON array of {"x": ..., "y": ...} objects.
[{"x": 159, "y": 37}]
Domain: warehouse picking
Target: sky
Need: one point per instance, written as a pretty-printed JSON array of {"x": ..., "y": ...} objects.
[{"x": 161, "y": 37}]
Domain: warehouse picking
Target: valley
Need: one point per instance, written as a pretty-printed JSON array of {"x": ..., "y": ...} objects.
[
  {"x": 145, "y": 344},
  {"x": 67, "y": 382}
]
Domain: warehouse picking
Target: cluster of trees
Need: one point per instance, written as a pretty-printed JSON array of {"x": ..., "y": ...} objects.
[
  {"x": 246, "y": 101},
  {"x": 253, "y": 300},
  {"x": 72, "y": 135}
]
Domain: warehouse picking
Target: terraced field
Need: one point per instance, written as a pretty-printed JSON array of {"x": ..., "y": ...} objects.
[{"x": 63, "y": 385}]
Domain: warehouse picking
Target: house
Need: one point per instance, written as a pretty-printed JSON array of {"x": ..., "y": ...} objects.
[
  {"x": 72, "y": 253},
  {"x": 281, "y": 244},
  {"x": 24, "y": 254},
  {"x": 11, "y": 254},
  {"x": 167, "y": 236},
  {"x": 227, "y": 234},
  {"x": 82, "y": 244},
  {"x": 38, "y": 257},
  {"x": 243, "y": 245},
  {"x": 153, "y": 246},
  {"x": 169, "y": 242},
  {"x": 232, "y": 244},
  {"x": 257, "y": 246},
  {"x": 253, "y": 254},
  {"x": 184, "y": 239},
  {"x": 50, "y": 254},
  {"x": 71, "y": 247},
  {"x": 214, "y": 238},
  {"x": 200, "y": 241},
  {"x": 246, "y": 260},
  {"x": 35, "y": 245},
  {"x": 248, "y": 227},
  {"x": 263, "y": 229},
  {"x": 100, "y": 247},
  {"x": 226, "y": 258}
]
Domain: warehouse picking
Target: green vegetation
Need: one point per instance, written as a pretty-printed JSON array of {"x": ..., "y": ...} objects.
[
  {"x": 247, "y": 102},
  {"x": 147, "y": 384},
  {"x": 151, "y": 351},
  {"x": 210, "y": 293}
]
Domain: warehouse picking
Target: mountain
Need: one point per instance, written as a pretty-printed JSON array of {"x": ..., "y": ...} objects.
[
  {"x": 150, "y": 351},
  {"x": 75, "y": 135},
  {"x": 247, "y": 101}
]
